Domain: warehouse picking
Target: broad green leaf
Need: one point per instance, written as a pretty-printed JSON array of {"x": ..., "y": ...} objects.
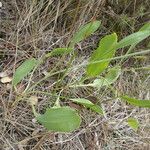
[
  {"x": 88, "y": 104},
  {"x": 23, "y": 70},
  {"x": 133, "y": 39},
  {"x": 106, "y": 50},
  {"x": 133, "y": 123},
  {"x": 145, "y": 27},
  {"x": 84, "y": 32},
  {"x": 136, "y": 102},
  {"x": 59, "y": 52},
  {"x": 62, "y": 119},
  {"x": 109, "y": 78}
]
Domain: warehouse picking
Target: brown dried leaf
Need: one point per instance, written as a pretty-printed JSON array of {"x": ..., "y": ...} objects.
[{"x": 33, "y": 100}]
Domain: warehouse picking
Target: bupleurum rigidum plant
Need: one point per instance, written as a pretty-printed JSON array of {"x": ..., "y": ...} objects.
[{"x": 64, "y": 118}]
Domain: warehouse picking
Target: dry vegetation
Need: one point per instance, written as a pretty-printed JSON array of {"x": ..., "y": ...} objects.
[{"x": 33, "y": 28}]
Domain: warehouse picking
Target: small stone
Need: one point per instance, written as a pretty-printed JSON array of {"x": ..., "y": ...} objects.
[
  {"x": 6, "y": 79},
  {"x": 1, "y": 4},
  {"x": 34, "y": 120}
]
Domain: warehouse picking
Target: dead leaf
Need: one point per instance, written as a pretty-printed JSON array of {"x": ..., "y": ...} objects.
[
  {"x": 45, "y": 73},
  {"x": 20, "y": 88},
  {"x": 76, "y": 106},
  {"x": 33, "y": 100}
]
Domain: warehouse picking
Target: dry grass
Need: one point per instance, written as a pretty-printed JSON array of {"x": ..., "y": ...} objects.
[{"x": 33, "y": 28}]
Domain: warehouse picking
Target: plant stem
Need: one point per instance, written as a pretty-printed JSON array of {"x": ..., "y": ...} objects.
[
  {"x": 34, "y": 111},
  {"x": 71, "y": 68}
]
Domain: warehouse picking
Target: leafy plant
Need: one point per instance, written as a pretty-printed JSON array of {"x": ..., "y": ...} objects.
[
  {"x": 63, "y": 119},
  {"x": 59, "y": 52},
  {"x": 105, "y": 50},
  {"x": 22, "y": 71},
  {"x": 145, "y": 27},
  {"x": 109, "y": 78},
  {"x": 136, "y": 102},
  {"x": 112, "y": 75},
  {"x": 84, "y": 32},
  {"x": 133, "y": 123},
  {"x": 133, "y": 39},
  {"x": 88, "y": 104},
  {"x": 66, "y": 119}
]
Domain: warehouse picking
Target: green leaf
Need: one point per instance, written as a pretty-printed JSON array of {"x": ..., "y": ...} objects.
[
  {"x": 84, "y": 32},
  {"x": 133, "y": 123},
  {"x": 129, "y": 39},
  {"x": 109, "y": 78},
  {"x": 23, "y": 70},
  {"x": 106, "y": 50},
  {"x": 136, "y": 102},
  {"x": 88, "y": 104},
  {"x": 145, "y": 27},
  {"x": 63, "y": 119},
  {"x": 133, "y": 39},
  {"x": 59, "y": 52}
]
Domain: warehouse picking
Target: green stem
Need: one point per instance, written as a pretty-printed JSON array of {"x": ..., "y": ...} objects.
[
  {"x": 129, "y": 50},
  {"x": 104, "y": 60},
  {"x": 34, "y": 111},
  {"x": 47, "y": 76},
  {"x": 80, "y": 85}
]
